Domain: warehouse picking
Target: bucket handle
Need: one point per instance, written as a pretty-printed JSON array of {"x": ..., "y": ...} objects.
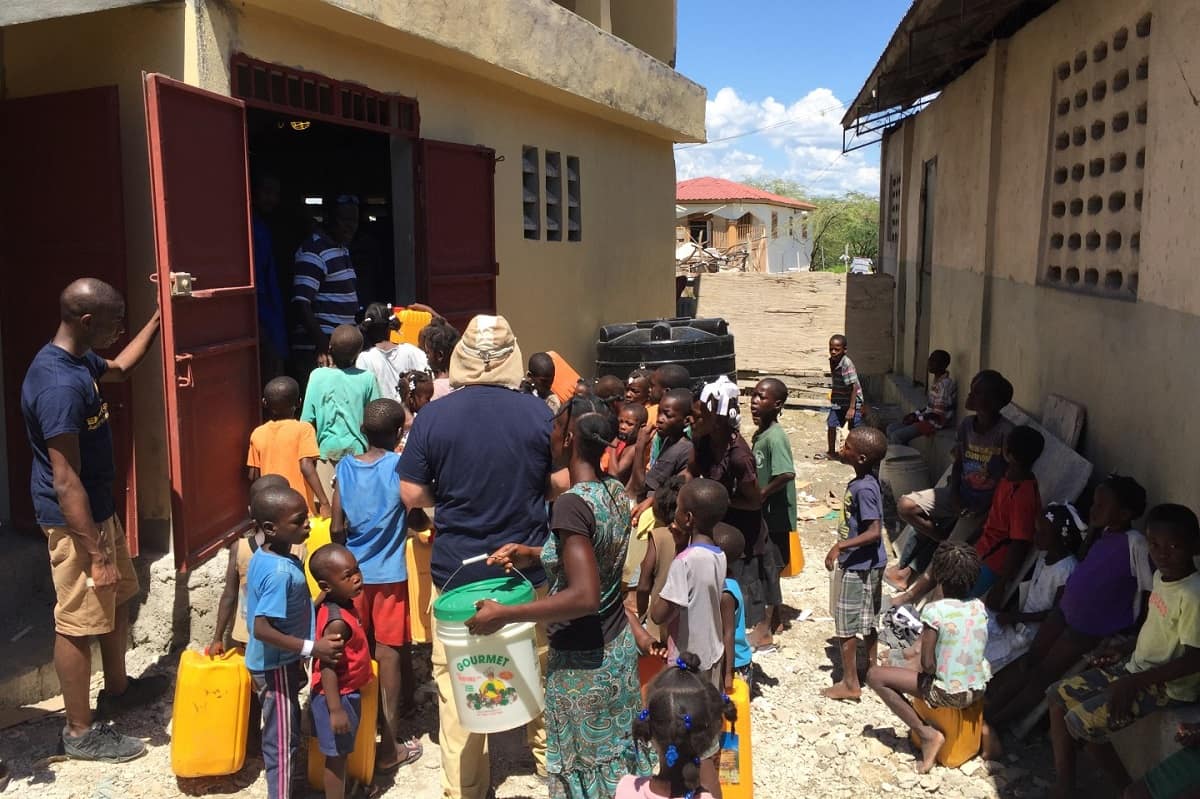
[{"x": 470, "y": 562}]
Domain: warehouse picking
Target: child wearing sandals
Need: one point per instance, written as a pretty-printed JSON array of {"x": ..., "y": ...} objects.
[
  {"x": 953, "y": 670},
  {"x": 683, "y": 720}
]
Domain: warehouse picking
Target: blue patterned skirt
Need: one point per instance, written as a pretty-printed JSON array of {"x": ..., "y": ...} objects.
[{"x": 592, "y": 698}]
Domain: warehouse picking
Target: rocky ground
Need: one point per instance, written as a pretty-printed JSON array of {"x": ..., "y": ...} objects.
[{"x": 803, "y": 745}]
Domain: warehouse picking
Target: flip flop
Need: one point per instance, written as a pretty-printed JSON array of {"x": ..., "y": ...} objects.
[{"x": 412, "y": 751}]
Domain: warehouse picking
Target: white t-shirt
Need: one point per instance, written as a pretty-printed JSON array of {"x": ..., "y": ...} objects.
[
  {"x": 388, "y": 365},
  {"x": 694, "y": 583},
  {"x": 1007, "y": 643}
]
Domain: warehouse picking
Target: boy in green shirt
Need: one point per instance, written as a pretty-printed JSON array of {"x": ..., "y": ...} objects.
[
  {"x": 334, "y": 403},
  {"x": 777, "y": 479}
]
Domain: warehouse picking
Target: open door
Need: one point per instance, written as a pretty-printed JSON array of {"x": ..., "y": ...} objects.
[
  {"x": 210, "y": 335},
  {"x": 61, "y": 218},
  {"x": 456, "y": 229}
]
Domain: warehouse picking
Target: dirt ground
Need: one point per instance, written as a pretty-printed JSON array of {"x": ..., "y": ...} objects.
[{"x": 803, "y": 745}]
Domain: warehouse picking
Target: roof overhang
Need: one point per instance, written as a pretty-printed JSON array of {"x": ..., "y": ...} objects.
[
  {"x": 15, "y": 12},
  {"x": 936, "y": 42}
]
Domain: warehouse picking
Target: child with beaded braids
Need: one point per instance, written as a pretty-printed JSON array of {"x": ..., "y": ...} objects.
[{"x": 683, "y": 719}]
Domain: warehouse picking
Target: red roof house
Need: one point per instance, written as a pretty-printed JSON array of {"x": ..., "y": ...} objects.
[{"x": 767, "y": 232}]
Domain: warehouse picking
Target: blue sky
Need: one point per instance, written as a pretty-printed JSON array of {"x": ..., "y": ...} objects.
[{"x": 770, "y": 61}]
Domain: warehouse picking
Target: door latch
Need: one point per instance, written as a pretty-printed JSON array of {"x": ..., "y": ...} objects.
[
  {"x": 181, "y": 284},
  {"x": 184, "y": 380}
]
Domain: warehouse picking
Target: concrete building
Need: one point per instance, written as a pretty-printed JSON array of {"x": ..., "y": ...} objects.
[
  {"x": 1039, "y": 215},
  {"x": 494, "y": 146},
  {"x": 772, "y": 229}
]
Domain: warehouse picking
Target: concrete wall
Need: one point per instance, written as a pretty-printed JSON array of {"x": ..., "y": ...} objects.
[{"x": 1126, "y": 361}]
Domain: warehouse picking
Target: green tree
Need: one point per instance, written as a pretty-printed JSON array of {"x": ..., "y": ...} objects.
[{"x": 843, "y": 223}]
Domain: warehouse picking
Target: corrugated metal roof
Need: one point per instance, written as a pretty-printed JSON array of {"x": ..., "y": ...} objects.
[
  {"x": 937, "y": 41},
  {"x": 720, "y": 190}
]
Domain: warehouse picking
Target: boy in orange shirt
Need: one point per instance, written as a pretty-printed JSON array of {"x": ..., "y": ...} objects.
[{"x": 284, "y": 445}]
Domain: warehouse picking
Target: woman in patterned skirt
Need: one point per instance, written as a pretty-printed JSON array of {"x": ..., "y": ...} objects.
[{"x": 592, "y": 692}]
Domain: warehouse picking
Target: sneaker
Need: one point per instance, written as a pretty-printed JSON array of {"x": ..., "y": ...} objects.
[
  {"x": 102, "y": 743},
  {"x": 139, "y": 691}
]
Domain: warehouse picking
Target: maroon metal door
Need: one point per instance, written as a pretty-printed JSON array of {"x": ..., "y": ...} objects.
[
  {"x": 61, "y": 218},
  {"x": 210, "y": 340},
  {"x": 456, "y": 229}
]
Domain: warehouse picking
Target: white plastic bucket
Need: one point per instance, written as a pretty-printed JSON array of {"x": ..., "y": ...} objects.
[{"x": 496, "y": 679}]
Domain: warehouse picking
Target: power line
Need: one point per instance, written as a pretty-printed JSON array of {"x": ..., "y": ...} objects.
[{"x": 792, "y": 121}]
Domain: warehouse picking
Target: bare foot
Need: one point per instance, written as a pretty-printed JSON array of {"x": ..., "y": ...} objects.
[
  {"x": 842, "y": 692},
  {"x": 929, "y": 749},
  {"x": 898, "y": 577},
  {"x": 991, "y": 747}
]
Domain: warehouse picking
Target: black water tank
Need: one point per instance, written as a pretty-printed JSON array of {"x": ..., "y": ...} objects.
[{"x": 704, "y": 346}]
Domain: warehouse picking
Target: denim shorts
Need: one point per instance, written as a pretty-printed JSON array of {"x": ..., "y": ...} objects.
[
  {"x": 335, "y": 745},
  {"x": 837, "y": 417}
]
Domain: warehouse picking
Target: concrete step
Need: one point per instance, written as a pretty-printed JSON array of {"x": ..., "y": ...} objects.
[
  {"x": 27, "y": 640},
  {"x": 25, "y": 567}
]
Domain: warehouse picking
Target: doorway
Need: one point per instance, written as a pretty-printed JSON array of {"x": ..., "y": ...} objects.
[
  {"x": 61, "y": 217},
  {"x": 317, "y": 161},
  {"x": 925, "y": 273}
]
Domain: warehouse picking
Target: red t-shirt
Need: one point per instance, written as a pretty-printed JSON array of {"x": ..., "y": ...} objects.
[
  {"x": 1014, "y": 511},
  {"x": 354, "y": 669}
]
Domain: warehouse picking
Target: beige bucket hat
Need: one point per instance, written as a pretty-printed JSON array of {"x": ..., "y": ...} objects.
[{"x": 487, "y": 355}]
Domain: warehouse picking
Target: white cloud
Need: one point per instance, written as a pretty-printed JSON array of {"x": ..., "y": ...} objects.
[{"x": 802, "y": 141}]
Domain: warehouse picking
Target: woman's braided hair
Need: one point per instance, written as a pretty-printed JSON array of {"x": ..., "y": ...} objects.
[{"x": 684, "y": 717}]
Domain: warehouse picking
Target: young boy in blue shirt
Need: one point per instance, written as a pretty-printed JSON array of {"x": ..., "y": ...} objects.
[
  {"x": 857, "y": 584},
  {"x": 369, "y": 518},
  {"x": 280, "y": 615}
]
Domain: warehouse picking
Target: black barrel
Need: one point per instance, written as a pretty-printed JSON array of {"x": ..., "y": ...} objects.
[{"x": 704, "y": 346}]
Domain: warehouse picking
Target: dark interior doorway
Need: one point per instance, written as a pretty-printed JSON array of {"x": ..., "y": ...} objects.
[{"x": 315, "y": 162}]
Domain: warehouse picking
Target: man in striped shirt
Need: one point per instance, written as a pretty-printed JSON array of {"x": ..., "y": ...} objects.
[{"x": 324, "y": 287}]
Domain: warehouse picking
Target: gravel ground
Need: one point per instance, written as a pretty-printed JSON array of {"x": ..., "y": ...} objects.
[{"x": 803, "y": 745}]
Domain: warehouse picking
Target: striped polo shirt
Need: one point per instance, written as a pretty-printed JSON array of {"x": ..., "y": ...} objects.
[
  {"x": 324, "y": 278},
  {"x": 846, "y": 385}
]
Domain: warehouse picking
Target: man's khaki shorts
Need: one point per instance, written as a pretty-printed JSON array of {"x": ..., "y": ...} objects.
[{"x": 82, "y": 611}]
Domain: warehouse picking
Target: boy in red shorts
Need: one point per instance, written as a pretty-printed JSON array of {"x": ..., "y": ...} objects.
[{"x": 369, "y": 518}]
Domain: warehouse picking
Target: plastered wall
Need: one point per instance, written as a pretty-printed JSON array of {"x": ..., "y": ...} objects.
[{"x": 1126, "y": 360}]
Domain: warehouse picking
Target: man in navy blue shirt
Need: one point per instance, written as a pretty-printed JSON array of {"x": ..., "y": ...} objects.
[
  {"x": 481, "y": 457},
  {"x": 66, "y": 419}
]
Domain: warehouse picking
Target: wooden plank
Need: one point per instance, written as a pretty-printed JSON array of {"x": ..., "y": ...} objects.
[{"x": 1064, "y": 419}]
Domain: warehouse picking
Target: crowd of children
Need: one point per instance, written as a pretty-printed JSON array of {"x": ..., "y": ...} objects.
[
  {"x": 691, "y": 564},
  {"x": 1018, "y": 596},
  {"x": 1015, "y": 593}
]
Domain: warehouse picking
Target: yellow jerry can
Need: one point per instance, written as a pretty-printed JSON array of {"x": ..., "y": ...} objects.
[{"x": 211, "y": 714}]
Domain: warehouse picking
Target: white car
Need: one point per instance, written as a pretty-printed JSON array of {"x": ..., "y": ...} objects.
[{"x": 862, "y": 266}]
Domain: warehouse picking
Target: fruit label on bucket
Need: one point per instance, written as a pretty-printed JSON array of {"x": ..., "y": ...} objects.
[{"x": 485, "y": 683}]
